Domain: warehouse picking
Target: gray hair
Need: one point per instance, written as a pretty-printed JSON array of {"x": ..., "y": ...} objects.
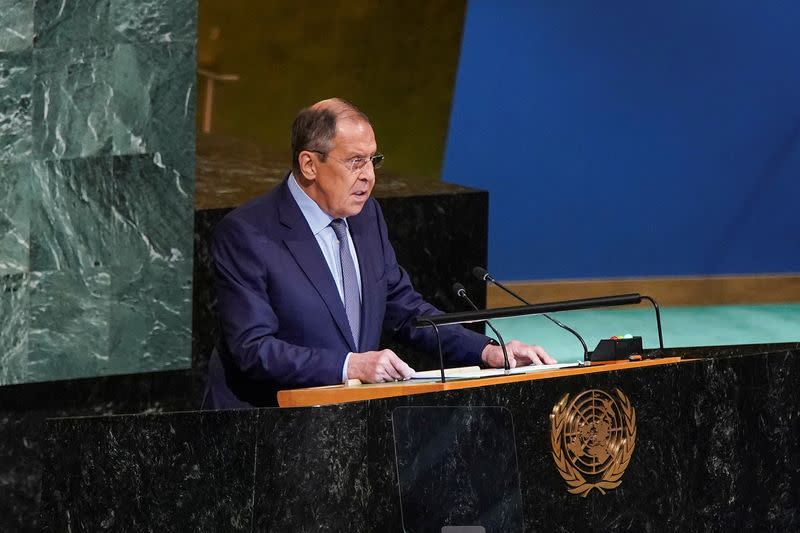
[{"x": 314, "y": 128}]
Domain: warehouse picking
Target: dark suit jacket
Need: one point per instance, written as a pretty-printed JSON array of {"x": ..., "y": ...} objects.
[{"x": 283, "y": 322}]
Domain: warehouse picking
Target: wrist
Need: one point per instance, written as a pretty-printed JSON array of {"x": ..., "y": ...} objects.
[
  {"x": 346, "y": 368},
  {"x": 487, "y": 350}
]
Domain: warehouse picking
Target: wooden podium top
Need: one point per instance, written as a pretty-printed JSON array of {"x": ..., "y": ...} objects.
[{"x": 333, "y": 394}]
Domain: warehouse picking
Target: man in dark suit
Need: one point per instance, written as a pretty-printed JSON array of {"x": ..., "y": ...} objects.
[{"x": 306, "y": 278}]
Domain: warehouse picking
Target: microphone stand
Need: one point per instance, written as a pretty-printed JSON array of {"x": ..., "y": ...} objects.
[
  {"x": 483, "y": 275},
  {"x": 462, "y": 293}
]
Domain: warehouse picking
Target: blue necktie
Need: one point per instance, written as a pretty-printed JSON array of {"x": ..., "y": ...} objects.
[{"x": 352, "y": 300}]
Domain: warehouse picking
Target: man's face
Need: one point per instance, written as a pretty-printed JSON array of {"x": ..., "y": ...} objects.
[{"x": 341, "y": 192}]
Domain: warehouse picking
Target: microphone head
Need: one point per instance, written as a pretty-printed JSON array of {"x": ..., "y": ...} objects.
[
  {"x": 481, "y": 273},
  {"x": 459, "y": 289}
]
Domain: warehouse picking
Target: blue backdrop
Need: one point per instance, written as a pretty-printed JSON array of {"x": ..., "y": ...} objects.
[{"x": 633, "y": 138}]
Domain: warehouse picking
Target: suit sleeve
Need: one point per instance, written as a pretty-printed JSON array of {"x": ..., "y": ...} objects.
[
  {"x": 460, "y": 346},
  {"x": 249, "y": 324}
]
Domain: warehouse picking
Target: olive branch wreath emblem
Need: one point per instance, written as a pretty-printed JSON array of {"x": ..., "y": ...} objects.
[{"x": 621, "y": 450}]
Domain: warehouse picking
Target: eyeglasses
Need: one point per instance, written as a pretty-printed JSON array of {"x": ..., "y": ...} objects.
[{"x": 356, "y": 164}]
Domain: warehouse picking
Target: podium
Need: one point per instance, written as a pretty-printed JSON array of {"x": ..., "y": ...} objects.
[
  {"x": 334, "y": 394},
  {"x": 705, "y": 438}
]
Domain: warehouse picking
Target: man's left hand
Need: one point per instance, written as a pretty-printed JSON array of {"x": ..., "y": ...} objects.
[{"x": 519, "y": 354}]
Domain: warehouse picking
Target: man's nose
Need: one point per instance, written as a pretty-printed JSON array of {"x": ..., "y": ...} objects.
[{"x": 368, "y": 172}]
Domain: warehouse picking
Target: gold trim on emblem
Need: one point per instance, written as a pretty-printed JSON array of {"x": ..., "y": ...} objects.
[{"x": 593, "y": 437}]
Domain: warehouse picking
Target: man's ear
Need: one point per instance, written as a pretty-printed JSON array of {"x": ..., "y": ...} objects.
[{"x": 308, "y": 165}]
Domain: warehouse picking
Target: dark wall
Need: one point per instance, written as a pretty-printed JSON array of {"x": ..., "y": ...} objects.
[
  {"x": 395, "y": 59},
  {"x": 644, "y": 138}
]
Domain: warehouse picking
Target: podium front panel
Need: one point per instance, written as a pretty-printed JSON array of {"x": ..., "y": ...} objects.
[{"x": 457, "y": 466}]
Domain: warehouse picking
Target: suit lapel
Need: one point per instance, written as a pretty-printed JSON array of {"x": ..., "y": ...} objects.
[{"x": 304, "y": 248}]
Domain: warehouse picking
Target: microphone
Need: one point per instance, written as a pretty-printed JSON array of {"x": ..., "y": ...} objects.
[
  {"x": 461, "y": 292},
  {"x": 483, "y": 275}
]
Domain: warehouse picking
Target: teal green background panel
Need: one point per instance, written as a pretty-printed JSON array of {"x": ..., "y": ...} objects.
[{"x": 682, "y": 326}]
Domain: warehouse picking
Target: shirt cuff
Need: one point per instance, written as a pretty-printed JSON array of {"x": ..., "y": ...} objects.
[{"x": 344, "y": 367}]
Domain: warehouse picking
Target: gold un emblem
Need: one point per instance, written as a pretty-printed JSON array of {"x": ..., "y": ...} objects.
[{"x": 593, "y": 437}]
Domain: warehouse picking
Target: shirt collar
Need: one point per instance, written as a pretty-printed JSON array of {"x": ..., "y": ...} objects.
[{"x": 317, "y": 219}]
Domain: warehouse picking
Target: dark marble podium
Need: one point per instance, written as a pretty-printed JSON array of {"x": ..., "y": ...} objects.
[{"x": 717, "y": 448}]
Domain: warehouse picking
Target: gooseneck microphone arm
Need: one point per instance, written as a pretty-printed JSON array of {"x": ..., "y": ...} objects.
[
  {"x": 658, "y": 321},
  {"x": 483, "y": 275},
  {"x": 439, "y": 343},
  {"x": 461, "y": 292}
]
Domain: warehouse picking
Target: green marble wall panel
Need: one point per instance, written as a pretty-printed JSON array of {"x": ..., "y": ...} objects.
[
  {"x": 130, "y": 214},
  {"x": 14, "y": 328},
  {"x": 72, "y": 98},
  {"x": 16, "y": 77},
  {"x": 78, "y": 22},
  {"x": 152, "y": 210},
  {"x": 67, "y": 23},
  {"x": 69, "y": 317},
  {"x": 154, "y": 21},
  {"x": 70, "y": 214},
  {"x": 110, "y": 212},
  {"x": 126, "y": 99},
  {"x": 15, "y": 212},
  {"x": 150, "y": 322},
  {"x": 128, "y": 220},
  {"x": 154, "y": 98},
  {"x": 97, "y": 108},
  {"x": 16, "y": 24}
]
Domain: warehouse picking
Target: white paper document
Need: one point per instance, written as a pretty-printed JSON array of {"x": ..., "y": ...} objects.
[{"x": 474, "y": 372}]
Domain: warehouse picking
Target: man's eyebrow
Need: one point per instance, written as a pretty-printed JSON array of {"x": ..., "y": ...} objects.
[{"x": 361, "y": 155}]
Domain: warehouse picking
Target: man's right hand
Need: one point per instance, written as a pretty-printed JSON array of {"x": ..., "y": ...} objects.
[{"x": 377, "y": 367}]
